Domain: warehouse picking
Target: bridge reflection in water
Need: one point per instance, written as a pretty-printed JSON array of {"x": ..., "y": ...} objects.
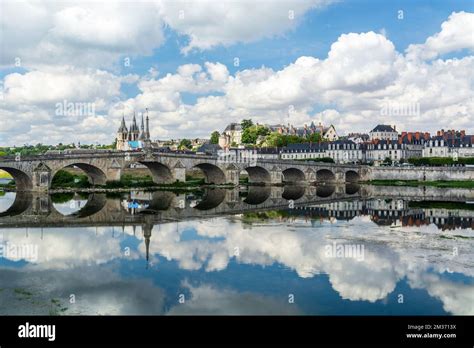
[
  {"x": 139, "y": 208},
  {"x": 209, "y": 201}
]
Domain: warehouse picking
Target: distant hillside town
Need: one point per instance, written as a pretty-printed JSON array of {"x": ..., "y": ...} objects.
[{"x": 382, "y": 144}]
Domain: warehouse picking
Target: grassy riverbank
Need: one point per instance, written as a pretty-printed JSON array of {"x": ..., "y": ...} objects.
[
  {"x": 443, "y": 184},
  {"x": 441, "y": 205},
  {"x": 5, "y": 175}
]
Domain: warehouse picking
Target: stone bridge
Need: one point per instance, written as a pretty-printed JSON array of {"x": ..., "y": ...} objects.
[{"x": 35, "y": 173}]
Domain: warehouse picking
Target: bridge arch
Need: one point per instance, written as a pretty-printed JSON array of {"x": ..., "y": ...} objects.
[
  {"x": 22, "y": 180},
  {"x": 352, "y": 176},
  {"x": 20, "y": 204},
  {"x": 325, "y": 175},
  {"x": 352, "y": 188},
  {"x": 325, "y": 191},
  {"x": 95, "y": 175},
  {"x": 293, "y": 175},
  {"x": 293, "y": 192},
  {"x": 212, "y": 173},
  {"x": 95, "y": 203},
  {"x": 257, "y": 195},
  {"x": 212, "y": 198},
  {"x": 160, "y": 200},
  {"x": 160, "y": 172},
  {"x": 258, "y": 174}
]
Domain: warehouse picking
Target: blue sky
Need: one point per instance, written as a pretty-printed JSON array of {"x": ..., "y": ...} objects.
[
  {"x": 324, "y": 64},
  {"x": 314, "y": 35}
]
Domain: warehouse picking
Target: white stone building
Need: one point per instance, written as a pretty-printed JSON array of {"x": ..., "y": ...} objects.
[
  {"x": 383, "y": 132},
  {"x": 380, "y": 150},
  {"x": 231, "y": 136},
  {"x": 441, "y": 146},
  {"x": 341, "y": 151}
]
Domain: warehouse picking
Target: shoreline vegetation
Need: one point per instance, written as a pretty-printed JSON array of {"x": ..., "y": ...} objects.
[
  {"x": 441, "y": 205},
  {"x": 5, "y": 175},
  {"x": 413, "y": 183}
]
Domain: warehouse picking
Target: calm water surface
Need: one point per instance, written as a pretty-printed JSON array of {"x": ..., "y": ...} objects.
[{"x": 307, "y": 251}]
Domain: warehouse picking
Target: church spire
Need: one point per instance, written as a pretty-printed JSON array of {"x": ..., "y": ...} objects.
[
  {"x": 147, "y": 228},
  {"x": 142, "y": 130},
  {"x": 147, "y": 130},
  {"x": 135, "y": 127},
  {"x": 123, "y": 127},
  {"x": 134, "y": 131}
]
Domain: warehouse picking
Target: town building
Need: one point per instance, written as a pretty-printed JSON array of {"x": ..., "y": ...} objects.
[
  {"x": 383, "y": 132},
  {"x": 268, "y": 153},
  {"x": 449, "y": 143},
  {"x": 378, "y": 150},
  {"x": 341, "y": 151},
  {"x": 414, "y": 143},
  {"x": 327, "y": 133},
  {"x": 209, "y": 149},
  {"x": 231, "y": 136},
  {"x": 358, "y": 138},
  {"x": 198, "y": 142}
]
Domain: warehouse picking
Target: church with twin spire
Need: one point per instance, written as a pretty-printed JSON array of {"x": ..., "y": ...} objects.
[{"x": 133, "y": 138}]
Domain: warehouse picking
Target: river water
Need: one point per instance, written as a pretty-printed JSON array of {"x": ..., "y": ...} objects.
[{"x": 305, "y": 251}]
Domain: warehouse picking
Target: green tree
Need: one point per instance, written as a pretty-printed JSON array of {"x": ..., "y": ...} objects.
[
  {"x": 387, "y": 161},
  {"x": 314, "y": 138},
  {"x": 215, "y": 137},
  {"x": 185, "y": 144},
  {"x": 246, "y": 123},
  {"x": 279, "y": 140},
  {"x": 250, "y": 134}
]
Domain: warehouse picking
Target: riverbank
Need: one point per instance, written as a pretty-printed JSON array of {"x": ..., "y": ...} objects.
[
  {"x": 441, "y": 205},
  {"x": 5, "y": 175},
  {"x": 442, "y": 184}
]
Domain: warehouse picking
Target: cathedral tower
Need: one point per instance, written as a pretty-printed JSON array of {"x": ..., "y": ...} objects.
[{"x": 122, "y": 136}]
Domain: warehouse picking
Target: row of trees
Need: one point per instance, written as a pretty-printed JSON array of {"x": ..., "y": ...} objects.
[
  {"x": 440, "y": 161},
  {"x": 38, "y": 149},
  {"x": 276, "y": 139}
]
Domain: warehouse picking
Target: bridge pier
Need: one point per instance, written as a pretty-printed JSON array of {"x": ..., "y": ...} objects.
[
  {"x": 232, "y": 175},
  {"x": 179, "y": 173},
  {"x": 340, "y": 177},
  {"x": 276, "y": 176},
  {"x": 232, "y": 196},
  {"x": 310, "y": 175},
  {"x": 41, "y": 178},
  {"x": 113, "y": 174}
]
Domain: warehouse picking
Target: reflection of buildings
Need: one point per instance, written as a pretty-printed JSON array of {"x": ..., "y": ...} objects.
[
  {"x": 136, "y": 202},
  {"x": 396, "y": 213}
]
